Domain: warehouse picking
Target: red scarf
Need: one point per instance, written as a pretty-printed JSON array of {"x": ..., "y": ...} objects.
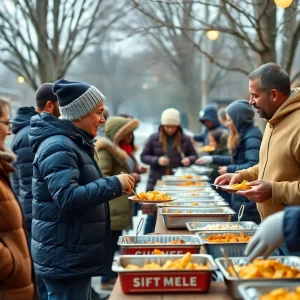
[{"x": 127, "y": 148}]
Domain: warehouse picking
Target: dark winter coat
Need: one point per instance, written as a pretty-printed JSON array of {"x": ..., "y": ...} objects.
[
  {"x": 153, "y": 150},
  {"x": 71, "y": 223},
  {"x": 21, "y": 179},
  {"x": 244, "y": 156},
  {"x": 291, "y": 228}
]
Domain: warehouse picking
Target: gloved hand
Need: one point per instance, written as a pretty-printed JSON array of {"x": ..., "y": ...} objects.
[
  {"x": 203, "y": 160},
  {"x": 163, "y": 161},
  {"x": 127, "y": 183},
  {"x": 267, "y": 238}
]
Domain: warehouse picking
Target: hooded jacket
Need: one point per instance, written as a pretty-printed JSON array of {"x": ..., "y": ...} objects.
[
  {"x": 71, "y": 223},
  {"x": 112, "y": 161},
  {"x": 279, "y": 159},
  {"x": 291, "y": 228},
  {"x": 209, "y": 113},
  {"x": 21, "y": 179},
  {"x": 156, "y": 146},
  {"x": 16, "y": 269}
]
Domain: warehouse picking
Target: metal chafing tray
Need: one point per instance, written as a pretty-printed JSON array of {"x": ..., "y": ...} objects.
[
  {"x": 194, "y": 204},
  {"x": 172, "y": 219},
  {"x": 145, "y": 244},
  {"x": 172, "y": 179},
  {"x": 232, "y": 249},
  {"x": 233, "y": 282},
  {"x": 163, "y": 281},
  {"x": 184, "y": 189},
  {"x": 197, "y": 226},
  {"x": 252, "y": 291}
]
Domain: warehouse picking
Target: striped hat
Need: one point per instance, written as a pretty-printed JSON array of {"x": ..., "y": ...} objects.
[{"x": 76, "y": 99}]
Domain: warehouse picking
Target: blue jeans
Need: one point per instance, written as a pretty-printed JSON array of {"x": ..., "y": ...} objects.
[
  {"x": 40, "y": 283},
  {"x": 69, "y": 289},
  {"x": 150, "y": 223}
]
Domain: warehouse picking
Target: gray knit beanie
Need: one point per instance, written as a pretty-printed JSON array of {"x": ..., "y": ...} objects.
[
  {"x": 241, "y": 113},
  {"x": 76, "y": 99}
]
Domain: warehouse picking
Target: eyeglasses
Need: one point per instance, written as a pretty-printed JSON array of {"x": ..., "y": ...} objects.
[{"x": 8, "y": 124}]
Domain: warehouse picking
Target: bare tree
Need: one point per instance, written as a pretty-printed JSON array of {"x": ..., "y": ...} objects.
[
  {"x": 40, "y": 39},
  {"x": 253, "y": 26}
]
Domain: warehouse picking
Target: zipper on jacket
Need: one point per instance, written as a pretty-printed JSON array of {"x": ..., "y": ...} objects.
[{"x": 268, "y": 147}]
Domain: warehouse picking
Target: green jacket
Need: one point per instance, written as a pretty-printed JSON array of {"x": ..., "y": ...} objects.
[{"x": 112, "y": 161}]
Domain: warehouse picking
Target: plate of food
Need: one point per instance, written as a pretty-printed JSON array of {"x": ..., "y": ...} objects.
[
  {"x": 234, "y": 187},
  {"x": 207, "y": 148},
  {"x": 152, "y": 197}
]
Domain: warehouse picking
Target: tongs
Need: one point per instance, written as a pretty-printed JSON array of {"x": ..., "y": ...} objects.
[
  {"x": 229, "y": 262},
  {"x": 139, "y": 228},
  {"x": 240, "y": 214}
]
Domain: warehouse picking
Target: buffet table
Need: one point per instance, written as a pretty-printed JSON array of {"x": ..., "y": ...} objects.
[{"x": 217, "y": 290}]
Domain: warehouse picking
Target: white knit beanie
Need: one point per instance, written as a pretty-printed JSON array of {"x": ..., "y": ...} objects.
[{"x": 170, "y": 116}]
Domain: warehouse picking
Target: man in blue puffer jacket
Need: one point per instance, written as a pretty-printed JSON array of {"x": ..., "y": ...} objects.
[{"x": 71, "y": 220}]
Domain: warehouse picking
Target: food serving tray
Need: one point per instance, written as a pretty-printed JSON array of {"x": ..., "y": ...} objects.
[
  {"x": 145, "y": 244},
  {"x": 172, "y": 179},
  {"x": 163, "y": 281},
  {"x": 252, "y": 291},
  {"x": 232, "y": 282},
  {"x": 232, "y": 249},
  {"x": 194, "y": 204},
  {"x": 172, "y": 219},
  {"x": 184, "y": 188},
  {"x": 194, "y": 227}
]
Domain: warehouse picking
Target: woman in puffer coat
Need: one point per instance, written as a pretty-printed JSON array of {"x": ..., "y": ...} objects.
[
  {"x": 16, "y": 269},
  {"x": 165, "y": 150},
  {"x": 115, "y": 153},
  {"x": 244, "y": 143}
]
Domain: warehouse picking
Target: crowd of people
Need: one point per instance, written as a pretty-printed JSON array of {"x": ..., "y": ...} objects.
[{"x": 64, "y": 184}]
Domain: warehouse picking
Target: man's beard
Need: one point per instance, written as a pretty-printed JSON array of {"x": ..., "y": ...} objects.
[{"x": 262, "y": 113}]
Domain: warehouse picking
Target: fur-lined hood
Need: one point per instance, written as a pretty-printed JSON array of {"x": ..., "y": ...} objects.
[
  {"x": 6, "y": 158},
  {"x": 116, "y": 151}
]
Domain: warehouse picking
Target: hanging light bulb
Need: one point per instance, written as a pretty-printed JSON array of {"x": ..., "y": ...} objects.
[
  {"x": 213, "y": 34},
  {"x": 283, "y": 3}
]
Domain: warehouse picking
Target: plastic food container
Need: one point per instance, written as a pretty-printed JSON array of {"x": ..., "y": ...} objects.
[
  {"x": 145, "y": 244},
  {"x": 194, "y": 227},
  {"x": 232, "y": 249},
  {"x": 172, "y": 219},
  {"x": 163, "y": 281},
  {"x": 232, "y": 282}
]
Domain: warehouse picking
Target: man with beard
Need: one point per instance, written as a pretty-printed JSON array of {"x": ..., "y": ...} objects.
[{"x": 275, "y": 180}]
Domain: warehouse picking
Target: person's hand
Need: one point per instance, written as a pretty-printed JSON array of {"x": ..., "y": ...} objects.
[
  {"x": 228, "y": 178},
  {"x": 127, "y": 183},
  {"x": 267, "y": 238},
  {"x": 261, "y": 191},
  {"x": 136, "y": 177},
  {"x": 186, "y": 162},
  {"x": 203, "y": 160},
  {"x": 148, "y": 209},
  {"x": 222, "y": 170},
  {"x": 143, "y": 169},
  {"x": 163, "y": 161}
]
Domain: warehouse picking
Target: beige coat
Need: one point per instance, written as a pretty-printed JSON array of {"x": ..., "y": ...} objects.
[
  {"x": 16, "y": 270},
  {"x": 279, "y": 158}
]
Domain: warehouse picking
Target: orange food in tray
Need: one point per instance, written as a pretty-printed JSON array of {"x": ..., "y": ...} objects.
[
  {"x": 207, "y": 148},
  {"x": 240, "y": 186},
  {"x": 228, "y": 238},
  {"x": 191, "y": 183},
  {"x": 265, "y": 268}
]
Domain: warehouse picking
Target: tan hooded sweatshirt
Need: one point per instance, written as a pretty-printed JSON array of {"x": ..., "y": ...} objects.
[{"x": 279, "y": 157}]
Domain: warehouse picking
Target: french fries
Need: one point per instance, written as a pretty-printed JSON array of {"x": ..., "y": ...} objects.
[
  {"x": 183, "y": 263},
  {"x": 240, "y": 186},
  {"x": 267, "y": 268},
  {"x": 153, "y": 196},
  {"x": 228, "y": 238},
  {"x": 282, "y": 294}
]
